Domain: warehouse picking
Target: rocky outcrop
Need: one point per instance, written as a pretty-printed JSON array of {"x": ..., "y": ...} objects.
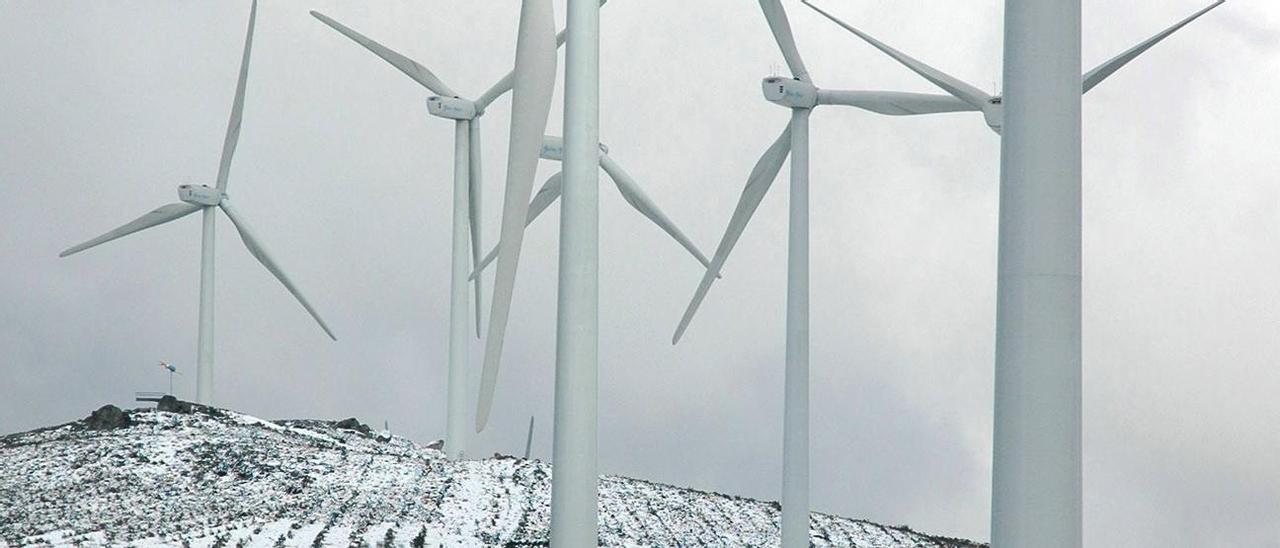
[{"x": 108, "y": 417}]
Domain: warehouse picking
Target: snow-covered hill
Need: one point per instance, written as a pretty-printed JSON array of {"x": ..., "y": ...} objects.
[{"x": 211, "y": 477}]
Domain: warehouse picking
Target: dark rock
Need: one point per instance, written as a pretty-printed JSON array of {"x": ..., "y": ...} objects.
[
  {"x": 173, "y": 405},
  {"x": 108, "y": 417},
  {"x": 438, "y": 445},
  {"x": 353, "y": 424}
]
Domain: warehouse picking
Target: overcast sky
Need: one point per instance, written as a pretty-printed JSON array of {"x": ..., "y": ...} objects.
[{"x": 106, "y": 107}]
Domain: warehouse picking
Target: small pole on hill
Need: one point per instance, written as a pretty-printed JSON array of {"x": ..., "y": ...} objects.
[{"x": 528, "y": 442}]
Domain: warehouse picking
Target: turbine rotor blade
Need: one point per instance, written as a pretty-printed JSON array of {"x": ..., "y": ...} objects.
[
  {"x": 533, "y": 86},
  {"x": 504, "y": 85},
  {"x": 158, "y": 216},
  {"x": 1101, "y": 72},
  {"x": 547, "y": 195},
  {"x": 895, "y": 103},
  {"x": 781, "y": 27},
  {"x": 411, "y": 68},
  {"x": 259, "y": 252},
  {"x": 473, "y": 211},
  {"x": 632, "y": 193},
  {"x": 758, "y": 183},
  {"x": 237, "y": 106},
  {"x": 948, "y": 83}
]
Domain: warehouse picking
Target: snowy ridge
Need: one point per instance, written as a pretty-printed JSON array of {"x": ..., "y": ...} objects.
[{"x": 213, "y": 478}]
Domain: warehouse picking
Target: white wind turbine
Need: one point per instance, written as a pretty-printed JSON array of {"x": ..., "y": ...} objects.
[
  {"x": 1036, "y": 494},
  {"x": 207, "y": 200},
  {"x": 466, "y": 115},
  {"x": 553, "y": 150},
  {"x": 801, "y": 96}
]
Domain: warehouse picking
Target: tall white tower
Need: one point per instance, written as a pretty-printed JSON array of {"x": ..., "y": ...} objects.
[
  {"x": 574, "y": 488},
  {"x": 1036, "y": 483}
]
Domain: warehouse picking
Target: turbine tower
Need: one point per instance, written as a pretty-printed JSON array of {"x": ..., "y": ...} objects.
[
  {"x": 466, "y": 115},
  {"x": 206, "y": 200},
  {"x": 575, "y": 485},
  {"x": 1036, "y": 495},
  {"x": 553, "y": 149},
  {"x": 1037, "y": 487}
]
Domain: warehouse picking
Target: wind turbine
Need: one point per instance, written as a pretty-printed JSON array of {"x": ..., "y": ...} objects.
[
  {"x": 206, "y": 200},
  {"x": 172, "y": 371},
  {"x": 466, "y": 114},
  {"x": 553, "y": 149},
  {"x": 801, "y": 96},
  {"x": 1036, "y": 494}
]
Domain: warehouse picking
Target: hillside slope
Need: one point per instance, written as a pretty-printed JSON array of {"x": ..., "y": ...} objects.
[{"x": 209, "y": 477}]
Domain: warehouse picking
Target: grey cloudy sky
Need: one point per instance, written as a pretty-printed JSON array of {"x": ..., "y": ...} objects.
[{"x": 105, "y": 107}]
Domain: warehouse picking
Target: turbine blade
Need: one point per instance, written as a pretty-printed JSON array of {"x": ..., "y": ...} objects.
[
  {"x": 632, "y": 193},
  {"x": 1101, "y": 72},
  {"x": 547, "y": 195},
  {"x": 237, "y": 106},
  {"x": 260, "y": 253},
  {"x": 533, "y": 85},
  {"x": 473, "y": 192},
  {"x": 781, "y": 27},
  {"x": 504, "y": 85},
  {"x": 895, "y": 103},
  {"x": 158, "y": 216},
  {"x": 762, "y": 176},
  {"x": 948, "y": 83},
  {"x": 411, "y": 68}
]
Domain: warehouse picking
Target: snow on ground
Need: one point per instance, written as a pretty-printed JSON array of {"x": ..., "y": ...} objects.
[{"x": 214, "y": 479}]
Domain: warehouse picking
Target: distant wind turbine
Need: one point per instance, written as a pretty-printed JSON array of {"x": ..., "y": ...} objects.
[
  {"x": 172, "y": 371},
  {"x": 466, "y": 115},
  {"x": 206, "y": 199}
]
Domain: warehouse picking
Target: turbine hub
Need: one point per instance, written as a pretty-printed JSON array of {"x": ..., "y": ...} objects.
[
  {"x": 200, "y": 195},
  {"x": 789, "y": 92},
  {"x": 453, "y": 108}
]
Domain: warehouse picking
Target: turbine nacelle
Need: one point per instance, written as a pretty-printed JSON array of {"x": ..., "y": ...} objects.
[
  {"x": 993, "y": 112},
  {"x": 453, "y": 108},
  {"x": 789, "y": 92},
  {"x": 553, "y": 149},
  {"x": 200, "y": 195}
]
